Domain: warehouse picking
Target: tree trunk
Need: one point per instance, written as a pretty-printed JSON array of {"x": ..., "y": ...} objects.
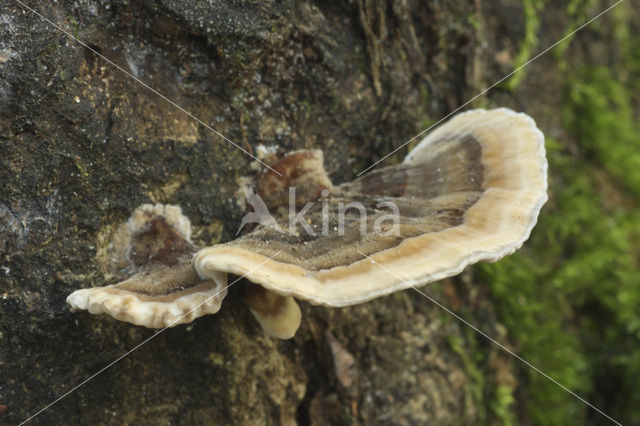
[{"x": 82, "y": 144}]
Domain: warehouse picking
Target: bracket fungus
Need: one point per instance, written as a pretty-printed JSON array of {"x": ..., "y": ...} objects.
[
  {"x": 154, "y": 250},
  {"x": 471, "y": 190}
]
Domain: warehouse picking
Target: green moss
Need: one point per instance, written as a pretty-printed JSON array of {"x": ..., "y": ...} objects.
[
  {"x": 487, "y": 402},
  {"x": 474, "y": 394},
  {"x": 558, "y": 296},
  {"x": 217, "y": 359},
  {"x": 82, "y": 168},
  {"x": 501, "y": 405},
  {"x": 532, "y": 10},
  {"x": 601, "y": 116},
  {"x": 577, "y": 15},
  {"x": 569, "y": 299}
]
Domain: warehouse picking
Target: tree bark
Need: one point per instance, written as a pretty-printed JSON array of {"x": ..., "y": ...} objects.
[{"x": 82, "y": 144}]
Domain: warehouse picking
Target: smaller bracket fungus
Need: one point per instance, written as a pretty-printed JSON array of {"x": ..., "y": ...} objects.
[{"x": 162, "y": 289}]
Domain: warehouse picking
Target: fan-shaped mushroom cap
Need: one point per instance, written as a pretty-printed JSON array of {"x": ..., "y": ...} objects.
[
  {"x": 163, "y": 289},
  {"x": 470, "y": 191}
]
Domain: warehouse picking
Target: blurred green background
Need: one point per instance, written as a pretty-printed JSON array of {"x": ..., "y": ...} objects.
[{"x": 570, "y": 298}]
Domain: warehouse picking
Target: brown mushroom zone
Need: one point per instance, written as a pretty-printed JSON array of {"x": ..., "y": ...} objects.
[{"x": 431, "y": 196}]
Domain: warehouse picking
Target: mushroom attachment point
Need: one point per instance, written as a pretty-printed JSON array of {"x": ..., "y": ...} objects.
[
  {"x": 161, "y": 289},
  {"x": 279, "y": 316}
]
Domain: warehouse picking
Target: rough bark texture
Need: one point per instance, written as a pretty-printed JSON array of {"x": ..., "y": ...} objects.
[{"x": 82, "y": 144}]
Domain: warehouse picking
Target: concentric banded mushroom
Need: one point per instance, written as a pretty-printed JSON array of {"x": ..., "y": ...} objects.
[
  {"x": 162, "y": 290},
  {"x": 470, "y": 191}
]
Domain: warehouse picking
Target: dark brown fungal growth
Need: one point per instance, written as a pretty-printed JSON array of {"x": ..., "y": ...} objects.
[
  {"x": 161, "y": 288},
  {"x": 159, "y": 242},
  {"x": 302, "y": 170}
]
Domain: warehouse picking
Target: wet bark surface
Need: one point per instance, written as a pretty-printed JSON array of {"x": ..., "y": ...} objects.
[{"x": 82, "y": 144}]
